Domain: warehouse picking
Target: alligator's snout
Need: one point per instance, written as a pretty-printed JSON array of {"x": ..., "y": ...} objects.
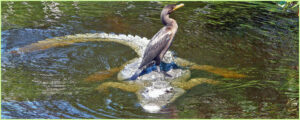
[
  {"x": 153, "y": 98},
  {"x": 153, "y": 93},
  {"x": 151, "y": 108}
]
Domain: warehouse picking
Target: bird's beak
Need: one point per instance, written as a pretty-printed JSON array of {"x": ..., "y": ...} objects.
[{"x": 178, "y": 6}]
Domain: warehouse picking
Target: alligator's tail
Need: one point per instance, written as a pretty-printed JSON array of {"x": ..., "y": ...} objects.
[{"x": 136, "y": 74}]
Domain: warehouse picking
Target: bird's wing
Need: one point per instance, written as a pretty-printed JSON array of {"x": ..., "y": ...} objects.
[{"x": 158, "y": 42}]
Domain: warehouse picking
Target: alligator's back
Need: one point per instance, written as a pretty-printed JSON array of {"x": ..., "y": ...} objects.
[
  {"x": 150, "y": 74},
  {"x": 157, "y": 89}
]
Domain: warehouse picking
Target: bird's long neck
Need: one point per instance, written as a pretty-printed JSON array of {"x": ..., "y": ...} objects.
[{"x": 165, "y": 19}]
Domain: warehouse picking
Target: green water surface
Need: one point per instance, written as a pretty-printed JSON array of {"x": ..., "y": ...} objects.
[{"x": 258, "y": 39}]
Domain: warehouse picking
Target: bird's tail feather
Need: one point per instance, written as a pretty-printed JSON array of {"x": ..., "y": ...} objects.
[{"x": 135, "y": 75}]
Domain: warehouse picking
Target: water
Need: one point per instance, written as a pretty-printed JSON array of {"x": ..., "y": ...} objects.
[{"x": 258, "y": 39}]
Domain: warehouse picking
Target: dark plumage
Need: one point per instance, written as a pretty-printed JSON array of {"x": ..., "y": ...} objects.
[{"x": 160, "y": 42}]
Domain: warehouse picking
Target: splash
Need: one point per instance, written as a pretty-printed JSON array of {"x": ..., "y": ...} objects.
[{"x": 135, "y": 42}]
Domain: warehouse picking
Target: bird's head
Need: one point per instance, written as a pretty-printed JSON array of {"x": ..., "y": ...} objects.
[{"x": 171, "y": 8}]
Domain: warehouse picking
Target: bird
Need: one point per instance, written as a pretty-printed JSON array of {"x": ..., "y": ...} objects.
[{"x": 160, "y": 42}]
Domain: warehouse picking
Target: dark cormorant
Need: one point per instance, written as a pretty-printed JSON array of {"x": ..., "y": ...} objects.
[{"x": 160, "y": 42}]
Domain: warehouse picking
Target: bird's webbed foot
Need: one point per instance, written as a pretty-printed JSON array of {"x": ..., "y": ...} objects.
[
  {"x": 166, "y": 74},
  {"x": 162, "y": 71},
  {"x": 158, "y": 68}
]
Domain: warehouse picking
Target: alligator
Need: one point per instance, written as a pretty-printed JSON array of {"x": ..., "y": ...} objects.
[{"x": 154, "y": 90}]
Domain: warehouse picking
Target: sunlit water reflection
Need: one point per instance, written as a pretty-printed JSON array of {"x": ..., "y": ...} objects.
[{"x": 256, "y": 39}]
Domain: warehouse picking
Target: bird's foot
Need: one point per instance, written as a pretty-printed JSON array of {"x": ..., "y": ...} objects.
[
  {"x": 166, "y": 74},
  {"x": 158, "y": 69}
]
